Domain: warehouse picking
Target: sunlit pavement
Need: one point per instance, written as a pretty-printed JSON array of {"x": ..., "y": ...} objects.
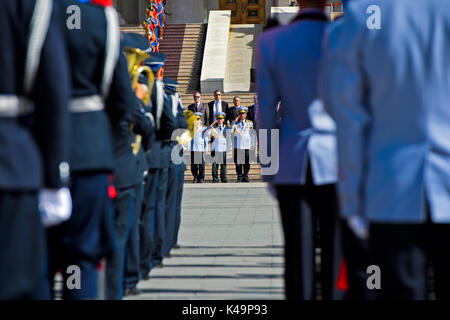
[{"x": 231, "y": 247}]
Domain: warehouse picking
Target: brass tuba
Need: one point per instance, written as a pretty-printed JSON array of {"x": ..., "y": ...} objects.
[
  {"x": 188, "y": 135},
  {"x": 135, "y": 58}
]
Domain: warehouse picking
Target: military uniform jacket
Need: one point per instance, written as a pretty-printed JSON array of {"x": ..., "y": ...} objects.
[
  {"x": 101, "y": 91},
  {"x": 243, "y": 134},
  {"x": 126, "y": 170},
  {"x": 165, "y": 123},
  {"x": 33, "y": 141},
  {"x": 220, "y": 137},
  {"x": 178, "y": 111}
]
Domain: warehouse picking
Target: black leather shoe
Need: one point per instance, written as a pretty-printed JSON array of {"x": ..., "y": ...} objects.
[
  {"x": 132, "y": 292},
  {"x": 147, "y": 277},
  {"x": 200, "y": 181},
  {"x": 215, "y": 181},
  {"x": 224, "y": 181},
  {"x": 245, "y": 179}
]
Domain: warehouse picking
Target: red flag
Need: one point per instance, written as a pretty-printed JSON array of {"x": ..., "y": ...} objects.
[{"x": 342, "y": 281}]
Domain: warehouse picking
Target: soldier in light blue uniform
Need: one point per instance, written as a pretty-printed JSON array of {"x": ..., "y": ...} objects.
[
  {"x": 198, "y": 148},
  {"x": 288, "y": 59},
  {"x": 219, "y": 135},
  {"x": 388, "y": 90},
  {"x": 243, "y": 136}
]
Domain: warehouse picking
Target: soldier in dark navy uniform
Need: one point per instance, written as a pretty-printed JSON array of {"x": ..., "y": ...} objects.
[
  {"x": 132, "y": 272},
  {"x": 101, "y": 99},
  {"x": 33, "y": 141},
  {"x": 173, "y": 190},
  {"x": 152, "y": 222},
  {"x": 127, "y": 181}
]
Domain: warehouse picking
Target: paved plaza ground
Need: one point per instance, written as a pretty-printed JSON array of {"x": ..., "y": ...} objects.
[{"x": 231, "y": 247}]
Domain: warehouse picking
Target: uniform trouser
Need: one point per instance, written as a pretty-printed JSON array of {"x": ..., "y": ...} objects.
[
  {"x": 180, "y": 186},
  {"x": 132, "y": 255},
  {"x": 299, "y": 228},
  {"x": 115, "y": 265},
  {"x": 355, "y": 253},
  {"x": 242, "y": 160},
  {"x": 223, "y": 166},
  {"x": 159, "y": 218},
  {"x": 198, "y": 165},
  {"x": 403, "y": 253},
  {"x": 21, "y": 245},
  {"x": 147, "y": 221},
  {"x": 86, "y": 237},
  {"x": 171, "y": 207}
]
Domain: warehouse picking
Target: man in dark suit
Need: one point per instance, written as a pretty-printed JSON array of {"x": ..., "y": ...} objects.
[
  {"x": 199, "y": 106},
  {"x": 233, "y": 112},
  {"x": 217, "y": 105},
  {"x": 252, "y": 112}
]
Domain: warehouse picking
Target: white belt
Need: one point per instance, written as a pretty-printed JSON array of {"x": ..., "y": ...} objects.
[
  {"x": 86, "y": 104},
  {"x": 14, "y": 106}
]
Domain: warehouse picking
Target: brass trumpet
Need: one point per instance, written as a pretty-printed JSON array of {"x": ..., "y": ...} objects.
[{"x": 135, "y": 58}]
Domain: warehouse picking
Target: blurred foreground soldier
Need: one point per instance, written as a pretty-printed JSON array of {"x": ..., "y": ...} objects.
[
  {"x": 198, "y": 148},
  {"x": 101, "y": 96},
  {"x": 152, "y": 222},
  {"x": 173, "y": 192},
  {"x": 391, "y": 106},
  {"x": 243, "y": 132},
  {"x": 308, "y": 166},
  {"x": 219, "y": 135},
  {"x": 34, "y": 141}
]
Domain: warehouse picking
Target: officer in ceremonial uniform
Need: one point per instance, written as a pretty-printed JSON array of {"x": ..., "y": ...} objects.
[
  {"x": 152, "y": 222},
  {"x": 101, "y": 99},
  {"x": 307, "y": 146},
  {"x": 243, "y": 134},
  {"x": 34, "y": 141},
  {"x": 173, "y": 189},
  {"x": 198, "y": 148},
  {"x": 220, "y": 136}
]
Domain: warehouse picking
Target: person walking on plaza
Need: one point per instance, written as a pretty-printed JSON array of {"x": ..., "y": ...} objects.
[
  {"x": 217, "y": 105},
  {"x": 288, "y": 60},
  {"x": 387, "y": 87},
  {"x": 243, "y": 137},
  {"x": 199, "y": 106},
  {"x": 34, "y": 142},
  {"x": 220, "y": 135},
  {"x": 198, "y": 148}
]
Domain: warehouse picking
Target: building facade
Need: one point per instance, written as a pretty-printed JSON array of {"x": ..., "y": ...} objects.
[{"x": 196, "y": 11}]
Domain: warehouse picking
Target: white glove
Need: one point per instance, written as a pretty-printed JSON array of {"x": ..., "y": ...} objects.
[
  {"x": 359, "y": 226},
  {"x": 55, "y": 206}
]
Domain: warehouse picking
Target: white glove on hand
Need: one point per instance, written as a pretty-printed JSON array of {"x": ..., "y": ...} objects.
[
  {"x": 55, "y": 206},
  {"x": 359, "y": 226}
]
